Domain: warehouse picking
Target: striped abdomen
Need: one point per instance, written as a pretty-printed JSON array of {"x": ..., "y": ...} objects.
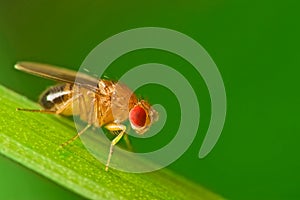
[{"x": 54, "y": 97}]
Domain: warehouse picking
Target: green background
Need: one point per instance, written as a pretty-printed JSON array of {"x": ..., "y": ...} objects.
[{"x": 254, "y": 44}]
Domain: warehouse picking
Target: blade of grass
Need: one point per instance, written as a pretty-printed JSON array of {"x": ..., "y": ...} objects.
[{"x": 32, "y": 140}]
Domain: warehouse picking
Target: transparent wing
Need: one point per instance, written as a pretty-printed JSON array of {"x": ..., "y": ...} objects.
[{"x": 59, "y": 74}]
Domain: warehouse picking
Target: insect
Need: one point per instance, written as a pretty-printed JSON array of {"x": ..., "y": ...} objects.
[{"x": 99, "y": 103}]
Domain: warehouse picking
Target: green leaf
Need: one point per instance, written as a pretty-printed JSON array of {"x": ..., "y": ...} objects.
[{"x": 32, "y": 139}]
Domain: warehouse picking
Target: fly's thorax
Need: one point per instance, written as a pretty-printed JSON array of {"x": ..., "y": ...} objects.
[
  {"x": 117, "y": 100},
  {"x": 55, "y": 97}
]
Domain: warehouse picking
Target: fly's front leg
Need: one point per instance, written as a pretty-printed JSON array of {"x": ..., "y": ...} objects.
[{"x": 114, "y": 127}]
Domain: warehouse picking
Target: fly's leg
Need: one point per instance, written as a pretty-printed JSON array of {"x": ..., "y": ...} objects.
[
  {"x": 114, "y": 127},
  {"x": 90, "y": 122},
  {"x": 127, "y": 141},
  {"x": 58, "y": 111},
  {"x": 39, "y": 111},
  {"x": 76, "y": 136}
]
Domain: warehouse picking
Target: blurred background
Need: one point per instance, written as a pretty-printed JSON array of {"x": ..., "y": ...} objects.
[{"x": 255, "y": 45}]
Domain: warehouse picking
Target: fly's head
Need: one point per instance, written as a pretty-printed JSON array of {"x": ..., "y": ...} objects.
[{"x": 142, "y": 116}]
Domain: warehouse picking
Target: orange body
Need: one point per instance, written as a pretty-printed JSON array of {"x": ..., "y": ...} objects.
[{"x": 97, "y": 102}]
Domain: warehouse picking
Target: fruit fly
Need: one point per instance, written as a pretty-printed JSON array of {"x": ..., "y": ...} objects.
[{"x": 99, "y": 103}]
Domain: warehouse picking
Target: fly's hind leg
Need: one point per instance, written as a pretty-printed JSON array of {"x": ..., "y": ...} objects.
[
  {"x": 114, "y": 127},
  {"x": 91, "y": 120},
  {"x": 57, "y": 111},
  {"x": 36, "y": 110},
  {"x": 60, "y": 110}
]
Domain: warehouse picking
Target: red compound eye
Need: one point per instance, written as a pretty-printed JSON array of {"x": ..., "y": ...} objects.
[{"x": 137, "y": 116}]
